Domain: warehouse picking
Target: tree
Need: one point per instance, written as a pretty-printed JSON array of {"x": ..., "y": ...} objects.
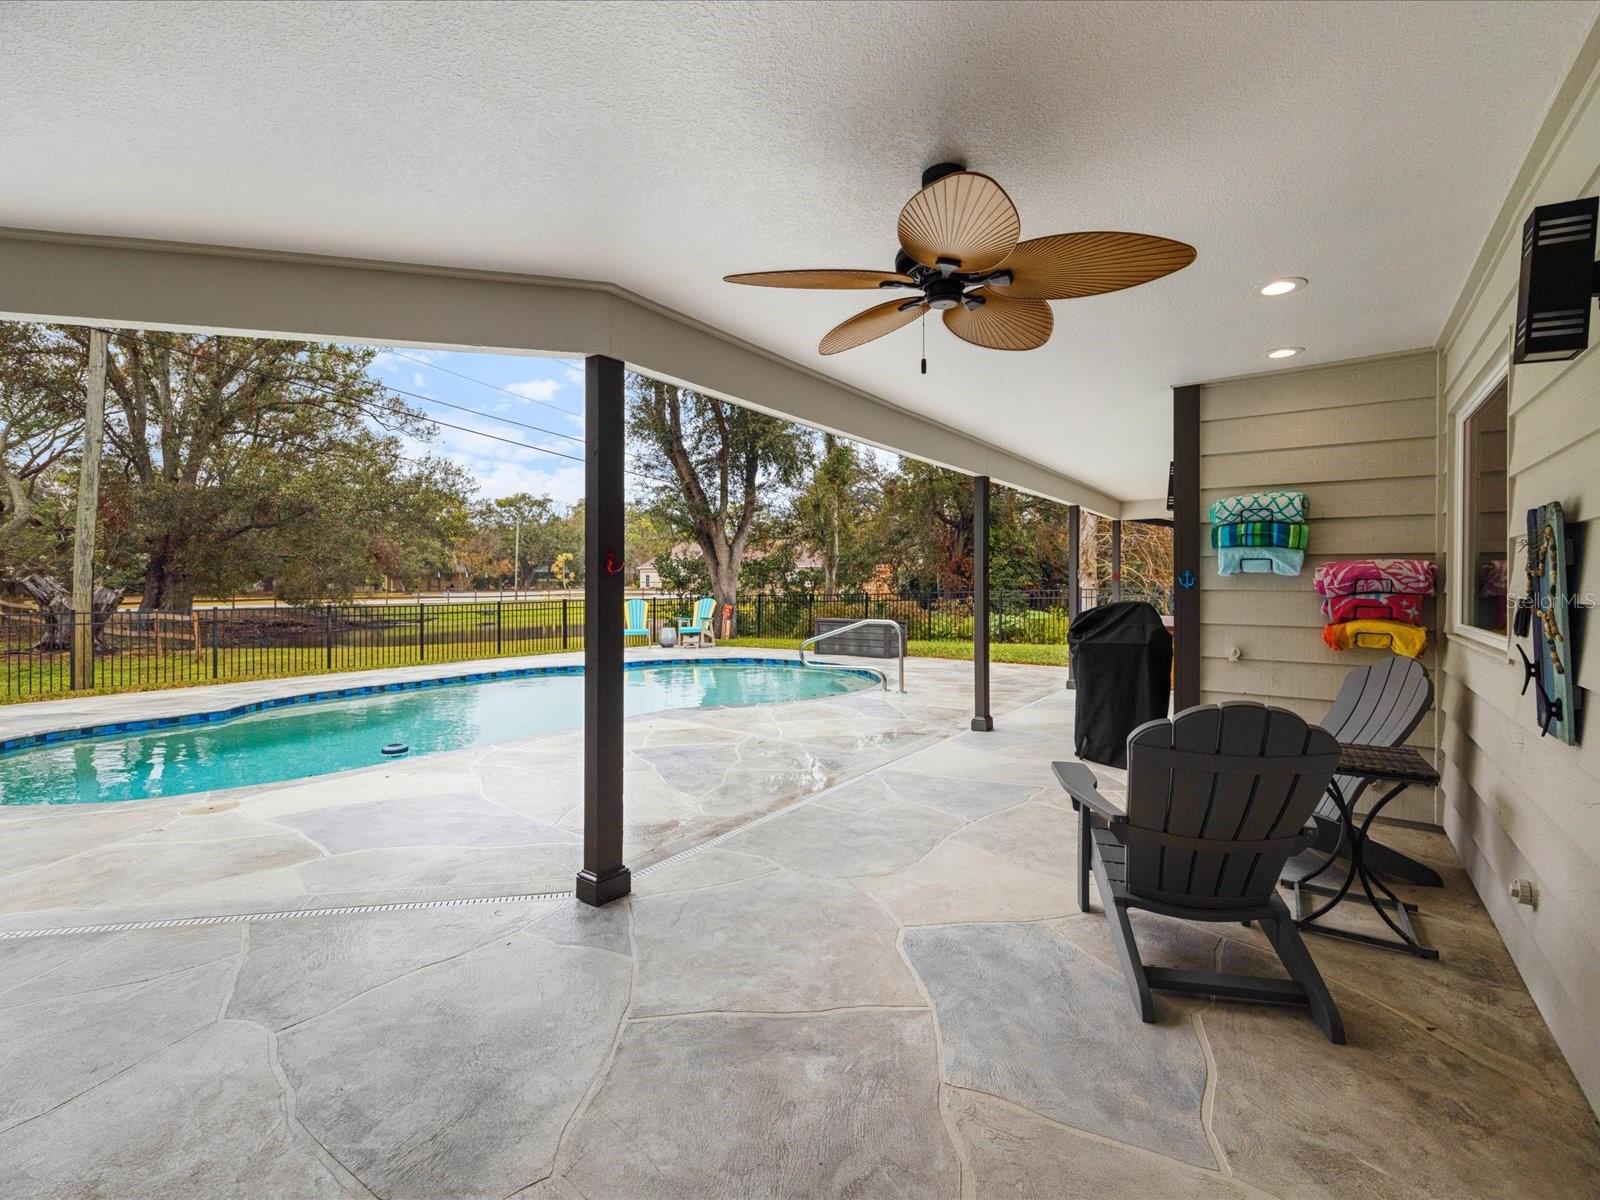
[
  {"x": 1146, "y": 559},
  {"x": 41, "y": 420},
  {"x": 534, "y": 527},
  {"x": 831, "y": 513},
  {"x": 725, "y": 462},
  {"x": 647, "y": 536},
  {"x": 369, "y": 513},
  {"x": 924, "y": 527},
  {"x": 226, "y": 444},
  {"x": 684, "y": 571}
]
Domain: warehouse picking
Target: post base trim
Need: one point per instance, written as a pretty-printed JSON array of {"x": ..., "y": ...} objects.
[
  {"x": 596, "y": 890},
  {"x": 983, "y": 724}
]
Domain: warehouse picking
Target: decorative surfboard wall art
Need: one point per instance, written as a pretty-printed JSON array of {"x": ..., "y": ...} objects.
[{"x": 1545, "y": 613}]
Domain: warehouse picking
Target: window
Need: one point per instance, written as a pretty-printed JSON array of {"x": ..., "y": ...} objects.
[{"x": 1483, "y": 583}]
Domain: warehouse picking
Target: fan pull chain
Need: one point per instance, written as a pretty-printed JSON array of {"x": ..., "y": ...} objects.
[{"x": 924, "y": 324}]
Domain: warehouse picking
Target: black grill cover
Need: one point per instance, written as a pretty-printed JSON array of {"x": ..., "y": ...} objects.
[{"x": 1122, "y": 666}]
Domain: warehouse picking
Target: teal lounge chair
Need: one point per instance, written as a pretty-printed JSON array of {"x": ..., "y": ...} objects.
[
  {"x": 634, "y": 623},
  {"x": 698, "y": 626}
]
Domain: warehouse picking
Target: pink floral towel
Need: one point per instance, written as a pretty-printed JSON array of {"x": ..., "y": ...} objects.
[
  {"x": 1391, "y": 606},
  {"x": 1365, "y": 576}
]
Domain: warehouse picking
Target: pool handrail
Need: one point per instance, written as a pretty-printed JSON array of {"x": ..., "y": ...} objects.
[{"x": 899, "y": 638}]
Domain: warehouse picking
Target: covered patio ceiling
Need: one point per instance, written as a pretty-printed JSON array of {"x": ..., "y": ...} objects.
[{"x": 660, "y": 147}]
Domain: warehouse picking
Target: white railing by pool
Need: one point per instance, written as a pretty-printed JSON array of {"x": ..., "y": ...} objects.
[{"x": 899, "y": 640}]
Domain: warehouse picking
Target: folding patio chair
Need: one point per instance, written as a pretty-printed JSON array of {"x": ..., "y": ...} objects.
[
  {"x": 1218, "y": 799},
  {"x": 698, "y": 626},
  {"x": 634, "y": 622},
  {"x": 1378, "y": 705}
]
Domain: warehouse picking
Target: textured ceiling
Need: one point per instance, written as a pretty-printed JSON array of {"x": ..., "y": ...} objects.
[{"x": 660, "y": 146}]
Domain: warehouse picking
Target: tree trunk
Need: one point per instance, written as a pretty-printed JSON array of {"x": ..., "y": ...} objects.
[
  {"x": 165, "y": 588},
  {"x": 830, "y": 557},
  {"x": 725, "y": 591},
  {"x": 155, "y": 580},
  {"x": 55, "y": 603}
]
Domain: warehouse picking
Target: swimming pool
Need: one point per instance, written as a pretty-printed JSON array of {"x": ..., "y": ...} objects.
[{"x": 300, "y": 736}]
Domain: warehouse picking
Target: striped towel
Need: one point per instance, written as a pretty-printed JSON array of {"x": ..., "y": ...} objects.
[
  {"x": 1259, "y": 560},
  {"x": 1395, "y": 606},
  {"x": 1365, "y": 576},
  {"x": 1262, "y": 533},
  {"x": 1261, "y": 506}
]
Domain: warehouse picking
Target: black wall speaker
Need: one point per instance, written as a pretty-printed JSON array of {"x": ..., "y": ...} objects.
[{"x": 1558, "y": 282}]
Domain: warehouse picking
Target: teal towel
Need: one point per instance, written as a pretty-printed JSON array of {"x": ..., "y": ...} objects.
[
  {"x": 1259, "y": 560},
  {"x": 1261, "y": 506}
]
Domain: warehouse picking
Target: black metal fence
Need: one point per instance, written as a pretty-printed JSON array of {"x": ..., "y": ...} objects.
[{"x": 136, "y": 651}]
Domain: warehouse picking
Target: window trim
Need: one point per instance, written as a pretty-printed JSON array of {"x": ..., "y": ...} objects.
[{"x": 1499, "y": 375}]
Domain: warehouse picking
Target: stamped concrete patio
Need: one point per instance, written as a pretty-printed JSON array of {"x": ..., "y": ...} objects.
[
  {"x": 867, "y": 978},
  {"x": 495, "y": 820}
]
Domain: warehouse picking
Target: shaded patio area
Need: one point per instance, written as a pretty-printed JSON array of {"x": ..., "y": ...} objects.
[{"x": 884, "y": 989}]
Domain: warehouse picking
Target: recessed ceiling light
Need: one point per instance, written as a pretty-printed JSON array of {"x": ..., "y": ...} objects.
[
  {"x": 1286, "y": 351},
  {"x": 1282, "y": 287}
]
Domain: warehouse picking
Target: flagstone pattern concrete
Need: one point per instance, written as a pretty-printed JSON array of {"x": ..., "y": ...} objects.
[{"x": 877, "y": 984}]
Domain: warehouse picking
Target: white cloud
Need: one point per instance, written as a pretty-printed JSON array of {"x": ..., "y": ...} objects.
[
  {"x": 400, "y": 359},
  {"x": 535, "y": 389},
  {"x": 563, "y": 484}
]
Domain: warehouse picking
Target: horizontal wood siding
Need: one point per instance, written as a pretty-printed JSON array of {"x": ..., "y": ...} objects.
[
  {"x": 1361, "y": 440},
  {"x": 1518, "y": 806}
]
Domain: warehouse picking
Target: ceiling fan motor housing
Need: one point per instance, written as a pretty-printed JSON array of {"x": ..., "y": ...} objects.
[{"x": 944, "y": 294}]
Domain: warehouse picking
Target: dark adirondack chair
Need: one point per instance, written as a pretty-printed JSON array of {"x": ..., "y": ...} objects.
[
  {"x": 1218, "y": 799},
  {"x": 1377, "y": 705}
]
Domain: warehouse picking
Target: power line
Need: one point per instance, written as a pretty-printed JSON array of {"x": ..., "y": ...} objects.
[
  {"x": 421, "y": 362},
  {"x": 324, "y": 390},
  {"x": 418, "y": 396},
  {"x": 494, "y": 417}
]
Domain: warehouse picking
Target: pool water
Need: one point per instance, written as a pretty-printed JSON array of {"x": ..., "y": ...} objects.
[{"x": 336, "y": 735}]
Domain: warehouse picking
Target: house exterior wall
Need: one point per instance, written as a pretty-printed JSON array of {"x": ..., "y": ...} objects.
[
  {"x": 1517, "y": 806},
  {"x": 1359, "y": 439}
]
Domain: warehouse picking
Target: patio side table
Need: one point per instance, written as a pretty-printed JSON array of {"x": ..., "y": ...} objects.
[{"x": 1399, "y": 766}]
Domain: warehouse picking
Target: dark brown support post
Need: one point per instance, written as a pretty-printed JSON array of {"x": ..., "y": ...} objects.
[
  {"x": 1186, "y": 546},
  {"x": 982, "y": 720},
  {"x": 604, "y": 878},
  {"x": 1116, "y": 561}
]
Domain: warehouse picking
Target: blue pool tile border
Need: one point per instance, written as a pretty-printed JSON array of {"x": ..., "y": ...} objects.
[{"x": 146, "y": 724}]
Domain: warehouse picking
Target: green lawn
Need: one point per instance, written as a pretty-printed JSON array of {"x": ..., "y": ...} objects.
[
  {"x": 46, "y": 678},
  {"x": 1009, "y": 652},
  {"x": 24, "y": 679}
]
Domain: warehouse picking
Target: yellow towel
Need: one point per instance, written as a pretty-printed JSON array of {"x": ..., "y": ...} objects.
[{"x": 1408, "y": 640}]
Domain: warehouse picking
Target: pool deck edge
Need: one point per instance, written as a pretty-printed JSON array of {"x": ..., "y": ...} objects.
[{"x": 49, "y": 722}]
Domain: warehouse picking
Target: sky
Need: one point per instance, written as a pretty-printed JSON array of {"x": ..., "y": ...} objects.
[
  {"x": 500, "y": 389},
  {"x": 534, "y": 404}
]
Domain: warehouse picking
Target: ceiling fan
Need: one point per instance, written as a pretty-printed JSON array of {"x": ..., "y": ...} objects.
[{"x": 959, "y": 249}]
